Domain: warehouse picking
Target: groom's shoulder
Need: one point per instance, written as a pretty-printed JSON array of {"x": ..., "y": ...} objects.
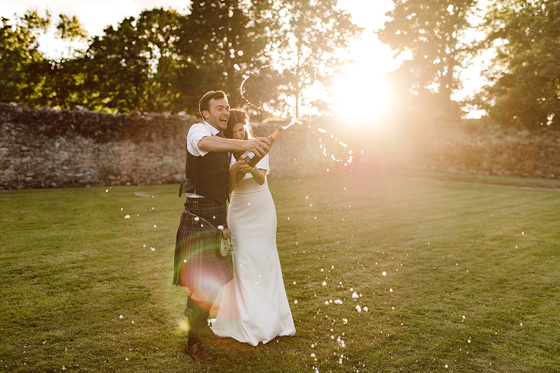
[{"x": 199, "y": 128}]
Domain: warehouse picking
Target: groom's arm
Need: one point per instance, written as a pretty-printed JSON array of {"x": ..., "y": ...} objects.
[{"x": 259, "y": 145}]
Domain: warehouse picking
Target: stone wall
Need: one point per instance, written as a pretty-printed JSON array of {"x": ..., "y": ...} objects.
[
  {"x": 44, "y": 148},
  {"x": 49, "y": 148},
  {"x": 465, "y": 148},
  {"x": 493, "y": 150}
]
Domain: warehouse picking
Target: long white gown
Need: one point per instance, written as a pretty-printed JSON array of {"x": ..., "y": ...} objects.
[{"x": 254, "y": 306}]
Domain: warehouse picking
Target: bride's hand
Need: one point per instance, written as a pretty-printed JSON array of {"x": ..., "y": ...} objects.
[
  {"x": 227, "y": 233},
  {"x": 240, "y": 166},
  {"x": 236, "y": 167},
  {"x": 245, "y": 167}
]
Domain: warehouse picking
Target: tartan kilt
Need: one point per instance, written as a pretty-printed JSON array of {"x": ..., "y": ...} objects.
[{"x": 196, "y": 263}]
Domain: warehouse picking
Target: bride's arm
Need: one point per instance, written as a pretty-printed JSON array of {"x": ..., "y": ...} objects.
[
  {"x": 235, "y": 175},
  {"x": 259, "y": 175}
]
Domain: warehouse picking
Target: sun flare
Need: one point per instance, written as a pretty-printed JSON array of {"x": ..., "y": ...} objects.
[{"x": 361, "y": 95}]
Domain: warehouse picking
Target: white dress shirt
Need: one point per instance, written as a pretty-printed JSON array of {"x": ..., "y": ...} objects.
[{"x": 196, "y": 133}]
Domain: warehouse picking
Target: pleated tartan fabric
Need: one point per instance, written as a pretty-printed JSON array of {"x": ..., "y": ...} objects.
[{"x": 196, "y": 264}]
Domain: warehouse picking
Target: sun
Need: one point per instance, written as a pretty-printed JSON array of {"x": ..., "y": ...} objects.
[{"x": 360, "y": 93}]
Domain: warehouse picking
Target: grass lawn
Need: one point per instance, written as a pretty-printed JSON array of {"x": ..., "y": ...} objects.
[{"x": 449, "y": 276}]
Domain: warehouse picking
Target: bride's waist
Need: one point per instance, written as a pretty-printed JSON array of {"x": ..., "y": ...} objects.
[{"x": 247, "y": 188}]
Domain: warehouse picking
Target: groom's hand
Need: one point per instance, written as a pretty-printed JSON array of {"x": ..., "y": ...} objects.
[
  {"x": 227, "y": 233},
  {"x": 259, "y": 145}
]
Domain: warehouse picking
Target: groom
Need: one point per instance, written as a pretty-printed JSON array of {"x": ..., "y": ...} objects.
[{"x": 197, "y": 264}]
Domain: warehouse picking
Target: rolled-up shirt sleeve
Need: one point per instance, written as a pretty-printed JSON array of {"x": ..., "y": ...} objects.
[{"x": 196, "y": 133}]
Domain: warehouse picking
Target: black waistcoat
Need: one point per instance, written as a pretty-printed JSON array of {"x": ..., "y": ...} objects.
[{"x": 210, "y": 174}]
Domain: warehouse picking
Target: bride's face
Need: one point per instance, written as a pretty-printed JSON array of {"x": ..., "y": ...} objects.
[{"x": 238, "y": 131}]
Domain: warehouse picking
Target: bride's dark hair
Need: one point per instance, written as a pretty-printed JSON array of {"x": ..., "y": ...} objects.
[{"x": 238, "y": 116}]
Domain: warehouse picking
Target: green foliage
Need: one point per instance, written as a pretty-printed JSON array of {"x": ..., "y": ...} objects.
[
  {"x": 21, "y": 63},
  {"x": 70, "y": 28},
  {"x": 117, "y": 69},
  {"x": 27, "y": 75},
  {"x": 165, "y": 61},
  {"x": 431, "y": 31},
  {"x": 525, "y": 75},
  {"x": 223, "y": 42},
  {"x": 220, "y": 41},
  {"x": 133, "y": 67},
  {"x": 463, "y": 275},
  {"x": 311, "y": 40},
  {"x": 158, "y": 28}
]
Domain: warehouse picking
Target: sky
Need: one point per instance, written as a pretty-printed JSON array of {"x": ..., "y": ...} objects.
[{"x": 95, "y": 15}]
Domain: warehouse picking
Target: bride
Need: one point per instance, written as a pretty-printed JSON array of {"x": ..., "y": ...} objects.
[{"x": 254, "y": 306}]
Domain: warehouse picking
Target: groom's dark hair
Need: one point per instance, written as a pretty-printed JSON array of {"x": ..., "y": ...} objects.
[{"x": 204, "y": 103}]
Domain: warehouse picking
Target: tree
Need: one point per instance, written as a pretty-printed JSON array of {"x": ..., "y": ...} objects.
[
  {"x": 165, "y": 61},
  {"x": 524, "y": 77},
  {"x": 116, "y": 69},
  {"x": 220, "y": 43},
  {"x": 64, "y": 77},
  {"x": 21, "y": 62},
  {"x": 70, "y": 28},
  {"x": 28, "y": 76},
  {"x": 283, "y": 46},
  {"x": 158, "y": 29},
  {"x": 311, "y": 41},
  {"x": 432, "y": 32},
  {"x": 133, "y": 66}
]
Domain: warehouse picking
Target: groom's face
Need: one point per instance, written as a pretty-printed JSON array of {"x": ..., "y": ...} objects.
[{"x": 218, "y": 113}]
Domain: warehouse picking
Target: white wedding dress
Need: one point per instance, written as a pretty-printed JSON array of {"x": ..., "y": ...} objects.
[{"x": 254, "y": 306}]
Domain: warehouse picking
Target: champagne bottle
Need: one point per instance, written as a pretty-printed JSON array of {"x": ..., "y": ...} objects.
[{"x": 252, "y": 159}]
